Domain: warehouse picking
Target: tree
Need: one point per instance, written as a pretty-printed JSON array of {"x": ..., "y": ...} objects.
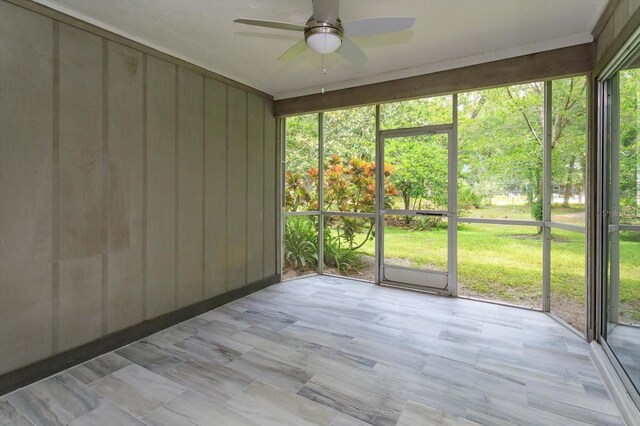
[
  {"x": 629, "y": 146},
  {"x": 301, "y": 156},
  {"x": 501, "y": 140},
  {"x": 569, "y": 137},
  {"x": 419, "y": 171}
]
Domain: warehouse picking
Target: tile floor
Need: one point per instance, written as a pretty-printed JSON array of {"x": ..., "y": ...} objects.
[{"x": 330, "y": 351}]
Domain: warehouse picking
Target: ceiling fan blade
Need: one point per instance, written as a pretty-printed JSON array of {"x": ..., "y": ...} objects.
[
  {"x": 351, "y": 52},
  {"x": 326, "y": 10},
  {"x": 373, "y": 26},
  {"x": 271, "y": 24},
  {"x": 268, "y": 35},
  {"x": 293, "y": 51}
]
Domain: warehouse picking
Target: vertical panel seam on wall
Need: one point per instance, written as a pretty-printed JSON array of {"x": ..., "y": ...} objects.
[
  {"x": 143, "y": 283},
  {"x": 264, "y": 183},
  {"x": 176, "y": 187},
  {"x": 55, "y": 200},
  {"x": 263, "y": 186},
  {"x": 246, "y": 188},
  {"x": 105, "y": 182},
  {"x": 226, "y": 188},
  {"x": 204, "y": 182}
]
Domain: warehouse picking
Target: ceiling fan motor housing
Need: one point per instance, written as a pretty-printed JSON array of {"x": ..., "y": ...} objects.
[{"x": 323, "y": 37}]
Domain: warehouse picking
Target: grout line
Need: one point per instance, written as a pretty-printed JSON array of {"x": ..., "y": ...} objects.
[
  {"x": 145, "y": 184},
  {"x": 176, "y": 187},
  {"x": 105, "y": 185},
  {"x": 55, "y": 180}
]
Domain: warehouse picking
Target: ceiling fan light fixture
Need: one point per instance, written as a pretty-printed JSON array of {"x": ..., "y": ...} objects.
[
  {"x": 322, "y": 37},
  {"x": 324, "y": 43}
]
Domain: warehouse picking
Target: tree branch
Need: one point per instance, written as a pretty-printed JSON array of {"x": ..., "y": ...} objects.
[{"x": 524, "y": 115}]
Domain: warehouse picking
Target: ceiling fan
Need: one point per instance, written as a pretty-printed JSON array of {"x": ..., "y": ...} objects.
[{"x": 324, "y": 32}]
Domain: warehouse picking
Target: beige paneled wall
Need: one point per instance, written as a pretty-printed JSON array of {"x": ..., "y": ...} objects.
[
  {"x": 190, "y": 187},
  {"x": 129, "y": 187},
  {"x": 236, "y": 188},
  {"x": 26, "y": 188},
  {"x": 615, "y": 17}
]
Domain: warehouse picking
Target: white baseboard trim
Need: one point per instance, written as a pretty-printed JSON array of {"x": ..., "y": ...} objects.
[{"x": 628, "y": 409}]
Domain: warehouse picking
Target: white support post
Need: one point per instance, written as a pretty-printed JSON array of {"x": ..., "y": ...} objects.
[
  {"x": 453, "y": 201},
  {"x": 281, "y": 135},
  {"x": 379, "y": 200},
  {"x": 546, "y": 196},
  {"x": 321, "y": 193}
]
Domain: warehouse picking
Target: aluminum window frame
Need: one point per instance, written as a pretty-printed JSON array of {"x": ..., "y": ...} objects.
[
  {"x": 547, "y": 224},
  {"x": 607, "y": 103}
]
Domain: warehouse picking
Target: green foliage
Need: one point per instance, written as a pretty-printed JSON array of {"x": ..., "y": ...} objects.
[
  {"x": 297, "y": 193},
  {"x": 419, "y": 170},
  {"x": 349, "y": 187},
  {"x": 335, "y": 255},
  {"x": 342, "y": 238},
  {"x": 537, "y": 208},
  {"x": 501, "y": 138},
  {"x": 569, "y": 138},
  {"x": 301, "y": 143},
  {"x": 416, "y": 112},
  {"x": 351, "y": 133},
  {"x": 500, "y": 141},
  {"x": 351, "y": 232},
  {"x": 467, "y": 199},
  {"x": 629, "y": 146},
  {"x": 425, "y": 223},
  {"x": 301, "y": 243}
]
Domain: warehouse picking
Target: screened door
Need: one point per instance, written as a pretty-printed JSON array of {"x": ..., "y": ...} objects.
[{"x": 416, "y": 182}]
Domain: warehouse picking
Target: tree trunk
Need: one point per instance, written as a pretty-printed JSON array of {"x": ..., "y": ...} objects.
[
  {"x": 569, "y": 182},
  {"x": 407, "y": 205}
]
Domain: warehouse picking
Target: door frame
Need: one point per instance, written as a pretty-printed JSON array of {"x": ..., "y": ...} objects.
[{"x": 451, "y": 212}]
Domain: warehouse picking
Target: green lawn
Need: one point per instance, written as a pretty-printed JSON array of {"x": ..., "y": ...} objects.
[
  {"x": 494, "y": 261},
  {"x": 504, "y": 263}
]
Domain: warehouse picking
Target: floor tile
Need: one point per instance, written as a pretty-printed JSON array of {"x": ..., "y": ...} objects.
[
  {"x": 190, "y": 409},
  {"x": 7, "y": 412},
  {"x": 106, "y": 414},
  {"x": 57, "y": 400},
  {"x": 416, "y": 414},
  {"x": 268, "y": 405},
  {"x": 155, "y": 357},
  {"x": 213, "y": 347},
  {"x": 19, "y": 421},
  {"x": 213, "y": 381},
  {"x": 99, "y": 367},
  {"x": 278, "y": 371},
  {"x": 136, "y": 389}
]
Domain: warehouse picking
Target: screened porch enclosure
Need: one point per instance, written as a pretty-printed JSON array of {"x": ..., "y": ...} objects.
[{"x": 479, "y": 194}]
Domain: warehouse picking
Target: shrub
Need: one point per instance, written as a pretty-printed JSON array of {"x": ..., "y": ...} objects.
[
  {"x": 342, "y": 258},
  {"x": 467, "y": 199},
  {"x": 301, "y": 243}
]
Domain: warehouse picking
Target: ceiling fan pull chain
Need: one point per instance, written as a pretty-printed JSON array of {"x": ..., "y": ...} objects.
[{"x": 324, "y": 73}]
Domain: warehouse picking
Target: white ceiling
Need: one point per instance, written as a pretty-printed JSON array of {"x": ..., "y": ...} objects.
[{"x": 447, "y": 34}]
